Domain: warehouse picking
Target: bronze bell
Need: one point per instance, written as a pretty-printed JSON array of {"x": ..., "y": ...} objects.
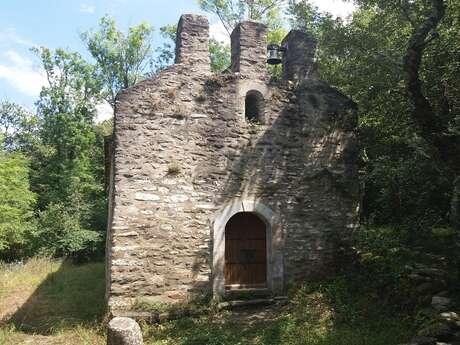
[{"x": 274, "y": 54}]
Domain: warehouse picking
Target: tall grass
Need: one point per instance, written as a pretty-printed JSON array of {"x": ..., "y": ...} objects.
[
  {"x": 55, "y": 302},
  {"x": 327, "y": 314},
  {"x": 51, "y": 299}
]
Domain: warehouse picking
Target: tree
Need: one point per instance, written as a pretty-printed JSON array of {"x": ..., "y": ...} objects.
[
  {"x": 17, "y": 126},
  {"x": 231, "y": 12},
  {"x": 165, "y": 53},
  {"x": 68, "y": 174},
  {"x": 406, "y": 181},
  {"x": 121, "y": 58},
  {"x": 434, "y": 121},
  {"x": 220, "y": 55},
  {"x": 17, "y": 225}
]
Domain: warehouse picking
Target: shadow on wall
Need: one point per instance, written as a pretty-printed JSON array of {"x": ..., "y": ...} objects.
[
  {"x": 71, "y": 296},
  {"x": 302, "y": 165}
]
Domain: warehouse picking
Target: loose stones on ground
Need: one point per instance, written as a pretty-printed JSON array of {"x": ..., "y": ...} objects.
[{"x": 124, "y": 331}]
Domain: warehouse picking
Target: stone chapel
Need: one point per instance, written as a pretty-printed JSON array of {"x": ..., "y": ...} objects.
[{"x": 230, "y": 182}]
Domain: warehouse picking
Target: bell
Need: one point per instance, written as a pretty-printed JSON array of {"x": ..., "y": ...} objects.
[{"x": 274, "y": 54}]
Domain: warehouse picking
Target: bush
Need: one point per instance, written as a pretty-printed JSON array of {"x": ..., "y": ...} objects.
[{"x": 61, "y": 233}]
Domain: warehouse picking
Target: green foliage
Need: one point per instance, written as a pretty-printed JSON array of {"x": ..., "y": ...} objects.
[
  {"x": 405, "y": 180},
  {"x": 121, "y": 58},
  {"x": 67, "y": 109},
  {"x": 165, "y": 53},
  {"x": 305, "y": 16},
  {"x": 69, "y": 170},
  {"x": 230, "y": 12},
  {"x": 18, "y": 127},
  {"x": 17, "y": 225},
  {"x": 334, "y": 312},
  {"x": 61, "y": 232},
  {"x": 220, "y": 55},
  {"x": 276, "y": 36},
  {"x": 383, "y": 259},
  {"x": 64, "y": 146}
]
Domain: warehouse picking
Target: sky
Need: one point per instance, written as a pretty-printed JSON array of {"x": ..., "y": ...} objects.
[{"x": 58, "y": 23}]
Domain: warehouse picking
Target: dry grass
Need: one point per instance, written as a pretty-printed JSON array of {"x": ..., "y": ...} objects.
[{"x": 51, "y": 302}]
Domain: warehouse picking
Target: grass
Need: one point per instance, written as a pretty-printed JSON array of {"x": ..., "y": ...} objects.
[
  {"x": 55, "y": 302},
  {"x": 328, "y": 314},
  {"x": 51, "y": 302}
]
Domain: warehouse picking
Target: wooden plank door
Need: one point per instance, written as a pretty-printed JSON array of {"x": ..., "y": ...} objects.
[{"x": 245, "y": 251}]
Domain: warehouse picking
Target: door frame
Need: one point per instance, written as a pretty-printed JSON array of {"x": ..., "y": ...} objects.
[{"x": 274, "y": 242}]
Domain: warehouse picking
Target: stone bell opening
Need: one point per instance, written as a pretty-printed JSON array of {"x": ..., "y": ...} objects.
[
  {"x": 245, "y": 252},
  {"x": 254, "y": 106}
]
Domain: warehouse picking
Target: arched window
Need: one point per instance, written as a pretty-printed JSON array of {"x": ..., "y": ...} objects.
[{"x": 254, "y": 109}]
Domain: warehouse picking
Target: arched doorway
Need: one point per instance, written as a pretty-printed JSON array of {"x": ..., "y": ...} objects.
[{"x": 245, "y": 251}]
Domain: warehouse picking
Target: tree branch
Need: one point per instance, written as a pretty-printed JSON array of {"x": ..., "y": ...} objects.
[{"x": 422, "y": 110}]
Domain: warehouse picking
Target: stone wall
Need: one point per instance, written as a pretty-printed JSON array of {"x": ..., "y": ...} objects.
[
  {"x": 183, "y": 152},
  {"x": 299, "y": 56},
  {"x": 249, "y": 50}
]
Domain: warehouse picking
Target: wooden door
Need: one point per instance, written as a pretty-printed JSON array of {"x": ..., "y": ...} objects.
[{"x": 245, "y": 251}]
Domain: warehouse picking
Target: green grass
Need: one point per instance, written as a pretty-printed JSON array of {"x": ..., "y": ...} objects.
[
  {"x": 52, "y": 298},
  {"x": 316, "y": 315},
  {"x": 54, "y": 302}
]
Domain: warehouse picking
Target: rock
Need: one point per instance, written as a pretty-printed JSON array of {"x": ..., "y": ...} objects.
[
  {"x": 179, "y": 198},
  {"x": 430, "y": 287},
  {"x": 417, "y": 278},
  {"x": 146, "y": 197},
  {"x": 432, "y": 272},
  {"x": 449, "y": 316},
  {"x": 148, "y": 317},
  {"x": 437, "y": 330},
  {"x": 124, "y": 331},
  {"x": 441, "y": 303},
  {"x": 451, "y": 319},
  {"x": 198, "y": 116},
  {"x": 420, "y": 340},
  {"x": 443, "y": 294}
]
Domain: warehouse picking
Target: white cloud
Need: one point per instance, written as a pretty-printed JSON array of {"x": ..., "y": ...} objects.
[
  {"x": 17, "y": 58},
  {"x": 104, "y": 112},
  {"x": 337, "y": 8},
  {"x": 87, "y": 8},
  {"x": 9, "y": 36},
  {"x": 20, "y": 73},
  {"x": 218, "y": 32}
]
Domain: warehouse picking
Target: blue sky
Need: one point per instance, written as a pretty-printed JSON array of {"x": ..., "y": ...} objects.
[{"x": 58, "y": 23}]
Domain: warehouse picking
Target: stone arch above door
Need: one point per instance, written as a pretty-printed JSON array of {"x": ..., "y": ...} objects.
[{"x": 275, "y": 264}]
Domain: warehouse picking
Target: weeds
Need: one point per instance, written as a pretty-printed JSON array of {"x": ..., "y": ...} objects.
[
  {"x": 174, "y": 168},
  {"x": 64, "y": 304}
]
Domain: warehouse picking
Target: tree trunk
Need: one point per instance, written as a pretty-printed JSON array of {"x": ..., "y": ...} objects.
[{"x": 455, "y": 204}]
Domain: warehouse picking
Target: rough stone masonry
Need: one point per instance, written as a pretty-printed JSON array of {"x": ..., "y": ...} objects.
[{"x": 230, "y": 181}]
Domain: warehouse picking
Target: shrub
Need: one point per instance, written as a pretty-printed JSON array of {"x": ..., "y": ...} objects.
[{"x": 61, "y": 233}]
